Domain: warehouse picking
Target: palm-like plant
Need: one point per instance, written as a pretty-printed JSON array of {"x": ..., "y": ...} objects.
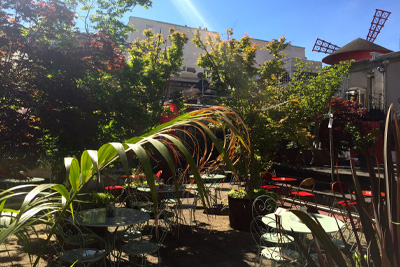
[
  {"x": 189, "y": 137},
  {"x": 382, "y": 229}
]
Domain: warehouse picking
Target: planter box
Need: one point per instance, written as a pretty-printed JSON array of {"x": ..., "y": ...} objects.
[{"x": 240, "y": 215}]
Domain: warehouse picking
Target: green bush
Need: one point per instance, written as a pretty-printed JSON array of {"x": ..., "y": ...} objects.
[
  {"x": 100, "y": 200},
  {"x": 251, "y": 194}
]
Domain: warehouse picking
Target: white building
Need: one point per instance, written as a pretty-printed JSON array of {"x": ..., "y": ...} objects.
[{"x": 190, "y": 70}]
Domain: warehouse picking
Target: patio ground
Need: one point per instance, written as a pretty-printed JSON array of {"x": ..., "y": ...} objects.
[{"x": 211, "y": 243}]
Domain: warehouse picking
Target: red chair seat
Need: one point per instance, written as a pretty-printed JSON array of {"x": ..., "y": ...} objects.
[
  {"x": 302, "y": 194},
  {"x": 114, "y": 187},
  {"x": 270, "y": 187},
  {"x": 349, "y": 203}
]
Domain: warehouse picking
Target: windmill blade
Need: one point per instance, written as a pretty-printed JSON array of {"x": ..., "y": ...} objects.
[
  {"x": 323, "y": 46},
  {"x": 377, "y": 23}
]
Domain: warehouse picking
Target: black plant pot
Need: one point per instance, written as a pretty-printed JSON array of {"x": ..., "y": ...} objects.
[{"x": 240, "y": 215}]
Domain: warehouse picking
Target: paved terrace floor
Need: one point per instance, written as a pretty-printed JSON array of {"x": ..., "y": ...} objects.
[{"x": 212, "y": 242}]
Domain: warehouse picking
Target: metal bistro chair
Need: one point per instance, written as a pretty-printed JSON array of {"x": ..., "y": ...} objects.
[
  {"x": 75, "y": 242},
  {"x": 142, "y": 202},
  {"x": 184, "y": 202},
  {"x": 347, "y": 210},
  {"x": 272, "y": 241},
  {"x": 140, "y": 249},
  {"x": 263, "y": 205},
  {"x": 342, "y": 207},
  {"x": 268, "y": 184},
  {"x": 303, "y": 197}
]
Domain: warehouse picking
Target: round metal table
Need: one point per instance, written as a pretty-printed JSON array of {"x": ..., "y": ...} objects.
[
  {"x": 290, "y": 222},
  {"x": 122, "y": 217}
]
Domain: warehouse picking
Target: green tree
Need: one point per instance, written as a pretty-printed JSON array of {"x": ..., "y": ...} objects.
[
  {"x": 278, "y": 113},
  {"x": 315, "y": 91},
  {"x": 63, "y": 91},
  {"x": 106, "y": 16},
  {"x": 256, "y": 92},
  {"x": 142, "y": 84}
]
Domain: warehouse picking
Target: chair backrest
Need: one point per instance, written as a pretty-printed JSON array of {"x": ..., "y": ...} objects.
[
  {"x": 180, "y": 174},
  {"x": 308, "y": 183},
  {"x": 74, "y": 244},
  {"x": 140, "y": 201},
  {"x": 75, "y": 235},
  {"x": 346, "y": 206},
  {"x": 6, "y": 218},
  {"x": 267, "y": 176},
  {"x": 340, "y": 187},
  {"x": 263, "y": 205}
]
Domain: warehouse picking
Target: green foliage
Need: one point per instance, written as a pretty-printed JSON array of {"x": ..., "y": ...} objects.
[
  {"x": 42, "y": 201},
  {"x": 56, "y": 76},
  {"x": 242, "y": 194},
  {"x": 143, "y": 83},
  {"x": 314, "y": 92},
  {"x": 100, "y": 200},
  {"x": 256, "y": 92},
  {"x": 361, "y": 142},
  {"x": 106, "y": 16},
  {"x": 63, "y": 91}
]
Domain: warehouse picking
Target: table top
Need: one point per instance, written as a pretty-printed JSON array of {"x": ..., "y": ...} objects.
[
  {"x": 290, "y": 222},
  {"x": 124, "y": 176},
  {"x": 211, "y": 176},
  {"x": 161, "y": 189},
  {"x": 33, "y": 180},
  {"x": 123, "y": 216},
  {"x": 284, "y": 179}
]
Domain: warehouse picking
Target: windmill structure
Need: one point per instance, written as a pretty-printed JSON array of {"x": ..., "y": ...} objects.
[{"x": 357, "y": 49}]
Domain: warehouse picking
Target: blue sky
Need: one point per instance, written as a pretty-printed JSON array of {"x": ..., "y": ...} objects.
[{"x": 301, "y": 21}]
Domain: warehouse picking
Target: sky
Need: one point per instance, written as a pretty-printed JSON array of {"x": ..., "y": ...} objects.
[{"x": 300, "y": 21}]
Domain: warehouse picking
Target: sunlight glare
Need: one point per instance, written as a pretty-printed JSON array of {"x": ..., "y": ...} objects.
[{"x": 190, "y": 13}]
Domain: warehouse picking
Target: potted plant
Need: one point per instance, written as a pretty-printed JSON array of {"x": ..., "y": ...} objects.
[
  {"x": 240, "y": 207},
  {"x": 101, "y": 200}
]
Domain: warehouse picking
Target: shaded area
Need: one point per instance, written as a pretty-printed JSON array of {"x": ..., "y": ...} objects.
[{"x": 207, "y": 247}]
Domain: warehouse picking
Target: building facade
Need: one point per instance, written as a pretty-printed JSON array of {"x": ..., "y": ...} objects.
[{"x": 375, "y": 82}]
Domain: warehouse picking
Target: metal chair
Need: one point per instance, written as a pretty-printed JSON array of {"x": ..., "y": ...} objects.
[
  {"x": 304, "y": 196},
  {"x": 347, "y": 210},
  {"x": 267, "y": 182},
  {"x": 342, "y": 207},
  {"x": 75, "y": 241},
  {"x": 272, "y": 242},
  {"x": 163, "y": 225},
  {"x": 191, "y": 206},
  {"x": 178, "y": 204},
  {"x": 263, "y": 205},
  {"x": 140, "y": 201}
]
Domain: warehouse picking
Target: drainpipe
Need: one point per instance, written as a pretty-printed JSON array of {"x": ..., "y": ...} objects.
[{"x": 382, "y": 70}]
